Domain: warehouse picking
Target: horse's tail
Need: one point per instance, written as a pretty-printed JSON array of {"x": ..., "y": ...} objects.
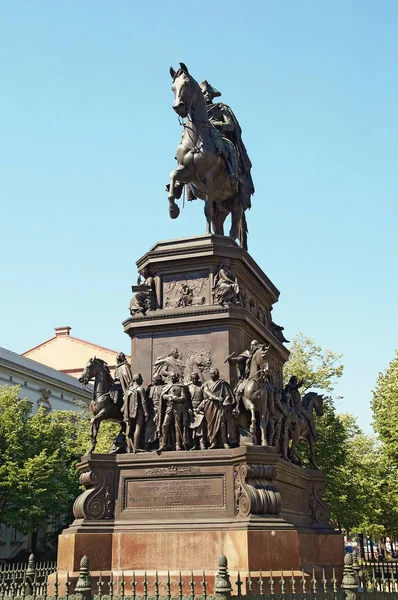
[{"x": 243, "y": 231}]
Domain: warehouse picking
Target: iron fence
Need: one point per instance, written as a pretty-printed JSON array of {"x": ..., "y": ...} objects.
[{"x": 41, "y": 581}]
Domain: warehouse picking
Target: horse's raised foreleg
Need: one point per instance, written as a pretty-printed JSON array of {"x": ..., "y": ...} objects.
[{"x": 176, "y": 175}]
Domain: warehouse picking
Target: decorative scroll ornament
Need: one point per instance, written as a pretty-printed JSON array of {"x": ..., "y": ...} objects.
[
  {"x": 318, "y": 510},
  {"x": 98, "y": 501},
  {"x": 254, "y": 491}
]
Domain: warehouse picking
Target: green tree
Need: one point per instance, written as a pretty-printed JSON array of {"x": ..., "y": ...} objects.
[
  {"x": 385, "y": 409},
  {"x": 39, "y": 454},
  {"x": 320, "y": 369}
]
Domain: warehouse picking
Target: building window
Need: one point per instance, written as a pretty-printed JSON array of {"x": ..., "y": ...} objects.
[
  {"x": 15, "y": 536},
  {"x": 3, "y": 533}
]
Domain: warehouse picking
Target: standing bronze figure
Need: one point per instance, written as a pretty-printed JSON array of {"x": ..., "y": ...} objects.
[
  {"x": 175, "y": 397},
  {"x": 211, "y": 158},
  {"x": 135, "y": 413},
  {"x": 198, "y": 422},
  {"x": 220, "y": 409}
]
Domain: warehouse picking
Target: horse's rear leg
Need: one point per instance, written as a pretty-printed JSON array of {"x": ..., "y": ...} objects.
[
  {"x": 263, "y": 428},
  {"x": 312, "y": 451},
  {"x": 209, "y": 204}
]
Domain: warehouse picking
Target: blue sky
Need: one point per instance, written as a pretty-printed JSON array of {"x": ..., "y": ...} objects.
[{"x": 88, "y": 137}]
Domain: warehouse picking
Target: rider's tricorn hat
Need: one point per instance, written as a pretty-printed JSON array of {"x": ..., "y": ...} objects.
[{"x": 206, "y": 87}]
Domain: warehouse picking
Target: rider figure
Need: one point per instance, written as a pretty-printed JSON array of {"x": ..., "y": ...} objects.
[
  {"x": 123, "y": 375},
  {"x": 243, "y": 362},
  {"x": 223, "y": 119},
  {"x": 292, "y": 396}
]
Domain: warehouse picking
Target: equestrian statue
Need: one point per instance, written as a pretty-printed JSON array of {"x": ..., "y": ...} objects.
[{"x": 212, "y": 159}]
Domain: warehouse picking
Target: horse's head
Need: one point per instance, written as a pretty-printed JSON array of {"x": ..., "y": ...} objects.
[
  {"x": 185, "y": 89},
  {"x": 94, "y": 367},
  {"x": 312, "y": 400},
  {"x": 202, "y": 360},
  {"x": 88, "y": 371}
]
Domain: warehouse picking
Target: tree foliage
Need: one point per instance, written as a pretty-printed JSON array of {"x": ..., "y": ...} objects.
[
  {"x": 385, "y": 409},
  {"x": 360, "y": 470},
  {"x": 39, "y": 453},
  {"x": 320, "y": 369}
]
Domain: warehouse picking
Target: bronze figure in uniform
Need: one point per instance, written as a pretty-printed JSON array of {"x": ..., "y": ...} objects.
[
  {"x": 135, "y": 413},
  {"x": 123, "y": 375},
  {"x": 198, "y": 423},
  {"x": 223, "y": 119},
  {"x": 220, "y": 407},
  {"x": 153, "y": 394},
  {"x": 175, "y": 407}
]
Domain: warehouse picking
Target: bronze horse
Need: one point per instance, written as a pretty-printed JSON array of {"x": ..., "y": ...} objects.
[
  {"x": 256, "y": 398},
  {"x": 201, "y": 164},
  {"x": 103, "y": 407},
  {"x": 299, "y": 428}
]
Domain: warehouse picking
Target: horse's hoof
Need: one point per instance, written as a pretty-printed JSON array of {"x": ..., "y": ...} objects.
[{"x": 174, "y": 211}]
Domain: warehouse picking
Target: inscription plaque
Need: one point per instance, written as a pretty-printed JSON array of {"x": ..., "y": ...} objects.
[
  {"x": 190, "y": 493},
  {"x": 293, "y": 498}
]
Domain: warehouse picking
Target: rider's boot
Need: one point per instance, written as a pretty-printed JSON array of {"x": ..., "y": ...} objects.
[
  {"x": 234, "y": 181},
  {"x": 137, "y": 442},
  {"x": 178, "y": 439},
  {"x": 190, "y": 195},
  {"x": 163, "y": 442}
]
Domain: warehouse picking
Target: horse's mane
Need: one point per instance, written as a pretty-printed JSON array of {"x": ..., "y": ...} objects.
[{"x": 103, "y": 364}]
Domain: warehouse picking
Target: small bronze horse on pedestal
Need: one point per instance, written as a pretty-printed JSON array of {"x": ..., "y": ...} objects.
[{"x": 107, "y": 401}]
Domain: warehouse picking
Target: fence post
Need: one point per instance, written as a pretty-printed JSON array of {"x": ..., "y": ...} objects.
[
  {"x": 358, "y": 570},
  {"x": 350, "y": 581},
  {"x": 222, "y": 586},
  {"x": 30, "y": 575},
  {"x": 83, "y": 586}
]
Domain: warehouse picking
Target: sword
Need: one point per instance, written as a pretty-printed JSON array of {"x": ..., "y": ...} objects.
[{"x": 228, "y": 357}]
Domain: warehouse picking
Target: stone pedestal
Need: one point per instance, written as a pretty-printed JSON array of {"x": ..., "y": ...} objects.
[
  {"x": 181, "y": 510},
  {"x": 203, "y": 327}
]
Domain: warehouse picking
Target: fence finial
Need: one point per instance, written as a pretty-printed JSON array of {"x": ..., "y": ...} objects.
[
  {"x": 222, "y": 585},
  {"x": 350, "y": 580},
  {"x": 83, "y": 586},
  {"x": 30, "y": 575}
]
